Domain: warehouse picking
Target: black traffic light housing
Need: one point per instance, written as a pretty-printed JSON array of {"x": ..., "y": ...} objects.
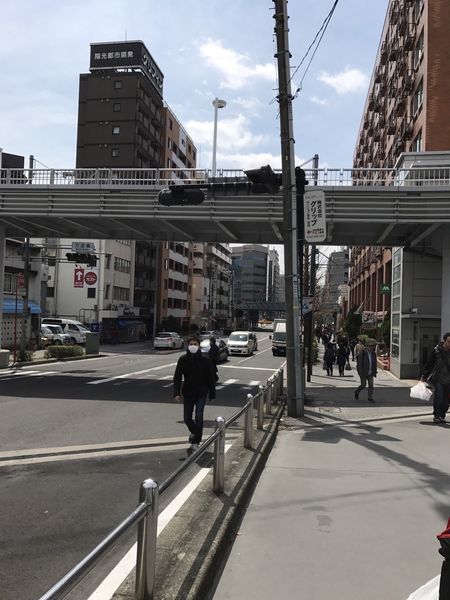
[
  {"x": 81, "y": 258},
  {"x": 300, "y": 180},
  {"x": 264, "y": 180},
  {"x": 181, "y": 195}
]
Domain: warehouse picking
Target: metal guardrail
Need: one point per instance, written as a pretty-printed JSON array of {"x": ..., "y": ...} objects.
[
  {"x": 164, "y": 177},
  {"x": 146, "y": 513}
]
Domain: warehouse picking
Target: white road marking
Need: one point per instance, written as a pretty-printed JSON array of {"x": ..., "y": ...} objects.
[
  {"x": 124, "y": 567},
  {"x": 230, "y": 381},
  {"x": 254, "y": 383},
  {"x": 39, "y": 373},
  {"x": 126, "y": 375},
  {"x": 249, "y": 368},
  {"x": 166, "y": 377},
  {"x": 168, "y": 385}
]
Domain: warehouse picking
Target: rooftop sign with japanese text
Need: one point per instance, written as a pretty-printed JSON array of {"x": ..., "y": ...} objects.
[
  {"x": 314, "y": 215},
  {"x": 126, "y": 55}
]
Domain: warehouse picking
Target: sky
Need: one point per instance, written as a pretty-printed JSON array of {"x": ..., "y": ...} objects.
[{"x": 206, "y": 49}]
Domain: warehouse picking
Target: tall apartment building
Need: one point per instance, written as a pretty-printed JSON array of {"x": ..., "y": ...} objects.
[
  {"x": 211, "y": 285},
  {"x": 123, "y": 124},
  {"x": 405, "y": 115},
  {"x": 273, "y": 276},
  {"x": 336, "y": 275}
]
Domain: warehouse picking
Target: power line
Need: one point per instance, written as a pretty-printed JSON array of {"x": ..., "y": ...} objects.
[{"x": 320, "y": 33}]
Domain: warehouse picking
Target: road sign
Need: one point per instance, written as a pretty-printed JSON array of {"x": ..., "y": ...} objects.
[
  {"x": 78, "y": 277},
  {"x": 307, "y": 304},
  {"x": 90, "y": 278},
  {"x": 83, "y": 247},
  {"x": 314, "y": 215}
]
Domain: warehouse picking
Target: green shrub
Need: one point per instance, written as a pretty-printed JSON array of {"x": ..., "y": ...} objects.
[
  {"x": 25, "y": 356},
  {"x": 59, "y": 352},
  {"x": 315, "y": 352}
]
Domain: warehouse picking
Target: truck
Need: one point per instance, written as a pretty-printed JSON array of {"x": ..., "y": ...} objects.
[{"x": 279, "y": 337}]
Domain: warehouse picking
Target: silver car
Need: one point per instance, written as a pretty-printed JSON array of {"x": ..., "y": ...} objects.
[
  {"x": 205, "y": 345},
  {"x": 53, "y": 334},
  {"x": 168, "y": 340}
]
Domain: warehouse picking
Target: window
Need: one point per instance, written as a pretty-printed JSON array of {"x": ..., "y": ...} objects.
[
  {"x": 118, "y": 84},
  {"x": 50, "y": 292},
  {"x": 418, "y": 50},
  {"x": 107, "y": 289},
  {"x": 91, "y": 292},
  {"x": 417, "y": 99},
  {"x": 122, "y": 265},
  {"x": 117, "y": 106},
  {"x": 108, "y": 261},
  {"x": 116, "y": 130},
  {"x": 52, "y": 261},
  {"x": 121, "y": 293},
  {"x": 115, "y": 152},
  {"x": 417, "y": 144},
  {"x": 170, "y": 124}
]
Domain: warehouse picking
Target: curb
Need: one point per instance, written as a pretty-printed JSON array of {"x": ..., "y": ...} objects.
[{"x": 195, "y": 545}]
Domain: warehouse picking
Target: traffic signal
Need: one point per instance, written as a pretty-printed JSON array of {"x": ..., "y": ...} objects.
[
  {"x": 181, "y": 195},
  {"x": 264, "y": 180},
  {"x": 300, "y": 180},
  {"x": 88, "y": 259}
]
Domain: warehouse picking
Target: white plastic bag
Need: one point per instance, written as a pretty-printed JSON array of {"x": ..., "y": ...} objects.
[
  {"x": 421, "y": 392},
  {"x": 429, "y": 591}
]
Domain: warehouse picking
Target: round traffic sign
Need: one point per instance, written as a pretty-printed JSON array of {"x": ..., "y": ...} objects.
[{"x": 90, "y": 278}]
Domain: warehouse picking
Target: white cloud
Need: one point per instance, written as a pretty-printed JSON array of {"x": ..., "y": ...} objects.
[
  {"x": 251, "y": 160},
  {"x": 347, "y": 81},
  {"x": 236, "y": 69},
  {"x": 319, "y": 101},
  {"x": 232, "y": 134},
  {"x": 251, "y": 104}
]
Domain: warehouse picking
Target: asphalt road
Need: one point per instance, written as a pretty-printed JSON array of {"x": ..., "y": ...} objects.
[{"x": 77, "y": 439}]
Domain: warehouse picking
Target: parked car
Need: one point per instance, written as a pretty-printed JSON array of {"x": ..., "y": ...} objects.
[
  {"x": 209, "y": 334},
  {"x": 242, "y": 342},
  {"x": 74, "y": 329},
  {"x": 168, "y": 339},
  {"x": 53, "y": 334},
  {"x": 223, "y": 348}
]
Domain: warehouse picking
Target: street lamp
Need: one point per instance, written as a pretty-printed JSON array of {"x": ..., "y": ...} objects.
[{"x": 217, "y": 103}]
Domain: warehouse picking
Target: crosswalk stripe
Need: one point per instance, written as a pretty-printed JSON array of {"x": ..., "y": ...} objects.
[
  {"x": 230, "y": 381},
  {"x": 252, "y": 383}
]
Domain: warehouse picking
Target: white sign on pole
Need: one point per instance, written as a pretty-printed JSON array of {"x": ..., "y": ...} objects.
[
  {"x": 83, "y": 247},
  {"x": 314, "y": 215}
]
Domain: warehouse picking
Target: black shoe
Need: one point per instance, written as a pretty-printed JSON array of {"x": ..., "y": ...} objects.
[
  {"x": 370, "y": 399},
  {"x": 356, "y": 396},
  {"x": 191, "y": 438},
  {"x": 437, "y": 420}
]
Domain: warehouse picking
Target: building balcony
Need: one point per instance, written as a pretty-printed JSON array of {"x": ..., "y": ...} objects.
[
  {"x": 383, "y": 53},
  {"x": 408, "y": 82},
  {"x": 391, "y": 126},
  {"x": 409, "y": 41}
]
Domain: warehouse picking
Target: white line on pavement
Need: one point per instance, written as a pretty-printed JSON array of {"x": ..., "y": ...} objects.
[
  {"x": 254, "y": 383},
  {"x": 125, "y": 375},
  {"x": 121, "y": 571},
  {"x": 249, "y": 368},
  {"x": 230, "y": 381}
]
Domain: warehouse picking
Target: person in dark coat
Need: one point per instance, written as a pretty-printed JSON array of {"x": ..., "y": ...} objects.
[
  {"x": 193, "y": 381},
  {"x": 214, "y": 356},
  {"x": 437, "y": 372},
  {"x": 342, "y": 358},
  {"x": 328, "y": 358},
  {"x": 366, "y": 364}
]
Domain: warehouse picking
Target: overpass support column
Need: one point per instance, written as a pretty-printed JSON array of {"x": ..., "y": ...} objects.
[{"x": 445, "y": 306}]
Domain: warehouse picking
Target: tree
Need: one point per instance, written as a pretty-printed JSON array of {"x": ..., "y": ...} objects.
[{"x": 353, "y": 323}]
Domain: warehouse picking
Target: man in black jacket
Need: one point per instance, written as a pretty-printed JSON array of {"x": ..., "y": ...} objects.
[
  {"x": 366, "y": 364},
  {"x": 214, "y": 356},
  {"x": 437, "y": 372},
  {"x": 199, "y": 381}
]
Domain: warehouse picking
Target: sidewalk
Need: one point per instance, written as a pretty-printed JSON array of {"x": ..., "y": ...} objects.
[{"x": 350, "y": 501}]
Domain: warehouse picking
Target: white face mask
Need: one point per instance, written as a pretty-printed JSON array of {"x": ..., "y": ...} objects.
[{"x": 193, "y": 348}]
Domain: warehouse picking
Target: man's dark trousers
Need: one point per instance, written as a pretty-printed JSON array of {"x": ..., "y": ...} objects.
[
  {"x": 194, "y": 426},
  {"x": 364, "y": 382}
]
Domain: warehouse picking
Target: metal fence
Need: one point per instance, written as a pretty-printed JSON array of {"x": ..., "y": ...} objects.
[
  {"x": 146, "y": 513},
  {"x": 165, "y": 177}
]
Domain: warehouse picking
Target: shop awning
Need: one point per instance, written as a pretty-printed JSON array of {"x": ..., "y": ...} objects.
[{"x": 9, "y": 306}]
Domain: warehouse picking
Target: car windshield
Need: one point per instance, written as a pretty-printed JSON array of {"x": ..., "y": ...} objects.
[
  {"x": 46, "y": 330},
  {"x": 164, "y": 335},
  {"x": 82, "y": 328},
  {"x": 279, "y": 336},
  {"x": 238, "y": 337}
]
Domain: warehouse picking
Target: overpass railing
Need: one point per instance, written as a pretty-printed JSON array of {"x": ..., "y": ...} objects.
[
  {"x": 164, "y": 177},
  {"x": 146, "y": 513}
]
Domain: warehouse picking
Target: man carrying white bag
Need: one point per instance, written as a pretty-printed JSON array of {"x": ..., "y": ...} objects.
[{"x": 421, "y": 392}]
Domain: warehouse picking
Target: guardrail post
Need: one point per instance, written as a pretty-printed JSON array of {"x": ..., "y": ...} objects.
[
  {"x": 281, "y": 389},
  {"x": 52, "y": 176},
  {"x": 275, "y": 387},
  {"x": 260, "y": 420},
  {"x": 248, "y": 434},
  {"x": 219, "y": 457},
  {"x": 267, "y": 401},
  {"x": 146, "y": 544}
]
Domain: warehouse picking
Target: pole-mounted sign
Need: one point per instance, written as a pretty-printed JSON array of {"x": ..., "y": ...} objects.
[{"x": 315, "y": 217}]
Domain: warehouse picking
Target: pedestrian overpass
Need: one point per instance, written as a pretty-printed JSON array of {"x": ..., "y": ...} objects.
[{"x": 390, "y": 207}]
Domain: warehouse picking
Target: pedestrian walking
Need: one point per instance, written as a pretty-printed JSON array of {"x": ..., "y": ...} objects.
[
  {"x": 328, "y": 358},
  {"x": 214, "y": 356},
  {"x": 353, "y": 343},
  {"x": 437, "y": 373},
  {"x": 193, "y": 381},
  {"x": 342, "y": 358},
  {"x": 366, "y": 364}
]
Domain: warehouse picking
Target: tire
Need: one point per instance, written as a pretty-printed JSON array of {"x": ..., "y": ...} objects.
[
  {"x": 57, "y": 342},
  {"x": 73, "y": 340}
]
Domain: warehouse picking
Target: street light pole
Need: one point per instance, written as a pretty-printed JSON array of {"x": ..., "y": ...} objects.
[{"x": 217, "y": 103}]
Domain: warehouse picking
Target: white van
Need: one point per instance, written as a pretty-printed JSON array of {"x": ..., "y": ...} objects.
[
  {"x": 242, "y": 342},
  {"x": 76, "y": 330}
]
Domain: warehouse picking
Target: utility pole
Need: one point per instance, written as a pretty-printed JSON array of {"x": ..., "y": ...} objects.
[
  {"x": 26, "y": 272},
  {"x": 295, "y": 394},
  {"x": 312, "y": 286}
]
